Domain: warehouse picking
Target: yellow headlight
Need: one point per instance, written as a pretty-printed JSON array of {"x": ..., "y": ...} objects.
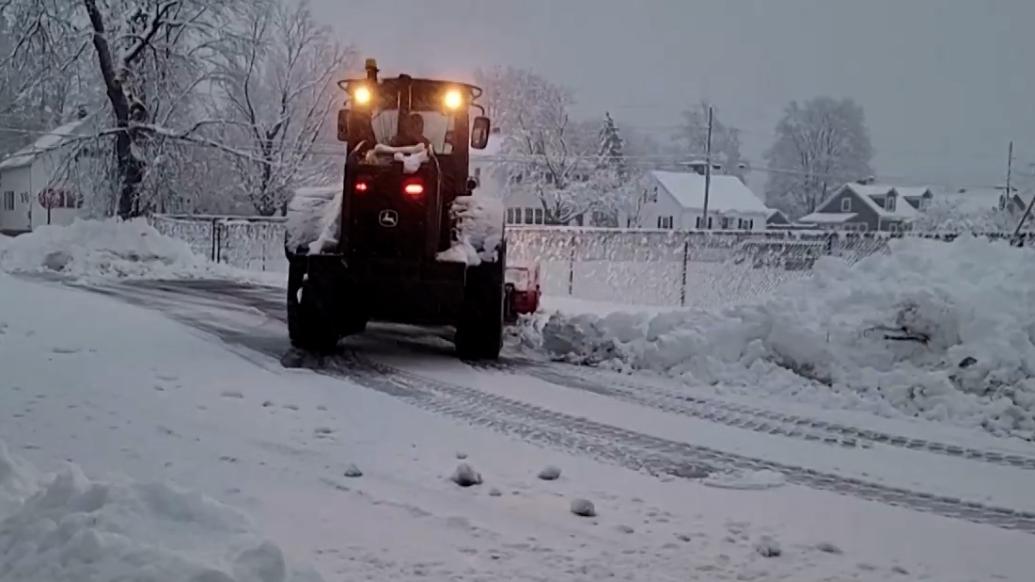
[
  {"x": 453, "y": 99},
  {"x": 362, "y": 95}
]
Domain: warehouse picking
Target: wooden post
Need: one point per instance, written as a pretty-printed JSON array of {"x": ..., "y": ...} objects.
[{"x": 682, "y": 284}]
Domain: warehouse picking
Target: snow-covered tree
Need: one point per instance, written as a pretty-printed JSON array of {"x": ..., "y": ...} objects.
[
  {"x": 277, "y": 82},
  {"x": 949, "y": 215},
  {"x": 141, "y": 66},
  {"x": 820, "y": 145},
  {"x": 546, "y": 155},
  {"x": 693, "y": 139},
  {"x": 611, "y": 175}
]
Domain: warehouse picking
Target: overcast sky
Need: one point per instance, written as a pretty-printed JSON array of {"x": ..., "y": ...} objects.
[{"x": 945, "y": 84}]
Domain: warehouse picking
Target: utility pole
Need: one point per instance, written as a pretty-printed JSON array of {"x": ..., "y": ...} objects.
[
  {"x": 1009, "y": 168},
  {"x": 707, "y": 169}
]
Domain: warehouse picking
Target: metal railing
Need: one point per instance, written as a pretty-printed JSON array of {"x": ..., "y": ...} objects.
[{"x": 650, "y": 267}]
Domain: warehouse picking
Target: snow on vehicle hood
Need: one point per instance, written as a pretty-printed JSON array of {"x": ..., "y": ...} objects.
[
  {"x": 479, "y": 230},
  {"x": 941, "y": 331}
]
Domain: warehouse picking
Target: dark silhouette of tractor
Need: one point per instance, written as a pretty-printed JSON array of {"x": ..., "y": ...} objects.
[{"x": 375, "y": 253}]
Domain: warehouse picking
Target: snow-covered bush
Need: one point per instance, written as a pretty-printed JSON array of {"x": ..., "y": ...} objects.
[{"x": 942, "y": 331}]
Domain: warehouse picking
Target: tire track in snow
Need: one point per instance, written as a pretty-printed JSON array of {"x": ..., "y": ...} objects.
[
  {"x": 653, "y": 454},
  {"x": 269, "y": 300},
  {"x": 578, "y": 435},
  {"x": 752, "y": 418}
]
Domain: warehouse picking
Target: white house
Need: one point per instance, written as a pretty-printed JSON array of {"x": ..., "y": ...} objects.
[
  {"x": 676, "y": 201},
  {"x": 26, "y": 178}
]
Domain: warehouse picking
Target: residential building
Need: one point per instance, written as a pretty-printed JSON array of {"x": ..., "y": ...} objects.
[
  {"x": 865, "y": 206},
  {"x": 777, "y": 219},
  {"x": 27, "y": 180},
  {"x": 676, "y": 201}
]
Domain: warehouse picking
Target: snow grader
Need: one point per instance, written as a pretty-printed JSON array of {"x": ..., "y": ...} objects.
[{"x": 405, "y": 240}]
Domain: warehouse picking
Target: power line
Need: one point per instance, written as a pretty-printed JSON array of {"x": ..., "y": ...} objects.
[{"x": 333, "y": 149}]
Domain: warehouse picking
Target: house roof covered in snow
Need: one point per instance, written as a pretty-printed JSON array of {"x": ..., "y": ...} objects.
[
  {"x": 726, "y": 194},
  {"x": 50, "y": 140},
  {"x": 869, "y": 193},
  {"x": 827, "y": 217}
]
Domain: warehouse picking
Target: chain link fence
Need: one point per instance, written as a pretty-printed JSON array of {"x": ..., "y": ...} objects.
[{"x": 647, "y": 267}]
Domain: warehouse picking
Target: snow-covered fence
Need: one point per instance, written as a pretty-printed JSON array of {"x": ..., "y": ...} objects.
[
  {"x": 253, "y": 243},
  {"x": 650, "y": 267}
]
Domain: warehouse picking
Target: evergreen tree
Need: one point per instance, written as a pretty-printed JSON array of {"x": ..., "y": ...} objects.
[{"x": 611, "y": 153}]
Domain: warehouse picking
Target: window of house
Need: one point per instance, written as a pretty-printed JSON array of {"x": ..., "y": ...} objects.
[
  {"x": 697, "y": 222},
  {"x": 751, "y": 224},
  {"x": 510, "y": 216},
  {"x": 9, "y": 200},
  {"x": 846, "y": 204},
  {"x": 889, "y": 204},
  {"x": 665, "y": 222},
  {"x": 740, "y": 224},
  {"x": 529, "y": 216},
  {"x": 537, "y": 215},
  {"x": 709, "y": 223},
  {"x": 725, "y": 223}
]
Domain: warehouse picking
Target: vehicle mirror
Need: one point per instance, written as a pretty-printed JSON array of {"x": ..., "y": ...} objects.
[
  {"x": 480, "y": 132},
  {"x": 472, "y": 184},
  {"x": 343, "y": 125}
]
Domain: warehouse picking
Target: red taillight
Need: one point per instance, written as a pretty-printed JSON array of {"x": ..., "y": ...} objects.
[
  {"x": 413, "y": 188},
  {"x": 361, "y": 186}
]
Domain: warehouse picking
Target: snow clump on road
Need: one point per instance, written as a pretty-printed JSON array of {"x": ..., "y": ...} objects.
[
  {"x": 75, "y": 529},
  {"x": 939, "y": 331}
]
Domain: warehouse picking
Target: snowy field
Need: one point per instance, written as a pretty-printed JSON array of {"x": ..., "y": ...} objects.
[{"x": 151, "y": 431}]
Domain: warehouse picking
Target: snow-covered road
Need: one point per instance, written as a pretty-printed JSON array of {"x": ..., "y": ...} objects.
[{"x": 117, "y": 388}]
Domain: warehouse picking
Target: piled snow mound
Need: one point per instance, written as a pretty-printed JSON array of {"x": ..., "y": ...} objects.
[
  {"x": 479, "y": 230},
  {"x": 16, "y": 481},
  {"x": 941, "y": 331},
  {"x": 101, "y": 248},
  {"x": 77, "y": 530}
]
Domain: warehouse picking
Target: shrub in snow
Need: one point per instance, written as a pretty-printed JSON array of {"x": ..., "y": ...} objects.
[
  {"x": 941, "y": 331},
  {"x": 461, "y": 455},
  {"x": 479, "y": 230},
  {"x": 76, "y": 529},
  {"x": 583, "y": 508},
  {"x": 550, "y": 473},
  {"x": 625, "y": 529},
  {"x": 465, "y": 476},
  {"x": 767, "y": 547},
  {"x": 494, "y": 492},
  {"x": 353, "y": 471}
]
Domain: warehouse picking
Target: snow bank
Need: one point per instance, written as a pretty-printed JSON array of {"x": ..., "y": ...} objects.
[
  {"x": 16, "y": 481},
  {"x": 479, "y": 230},
  {"x": 940, "y": 331},
  {"x": 76, "y": 530},
  {"x": 108, "y": 248}
]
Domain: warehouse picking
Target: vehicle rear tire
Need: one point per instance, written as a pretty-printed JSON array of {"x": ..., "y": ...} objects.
[
  {"x": 479, "y": 331},
  {"x": 310, "y": 321}
]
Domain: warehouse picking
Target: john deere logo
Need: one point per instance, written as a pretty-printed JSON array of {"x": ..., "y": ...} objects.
[{"x": 388, "y": 218}]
